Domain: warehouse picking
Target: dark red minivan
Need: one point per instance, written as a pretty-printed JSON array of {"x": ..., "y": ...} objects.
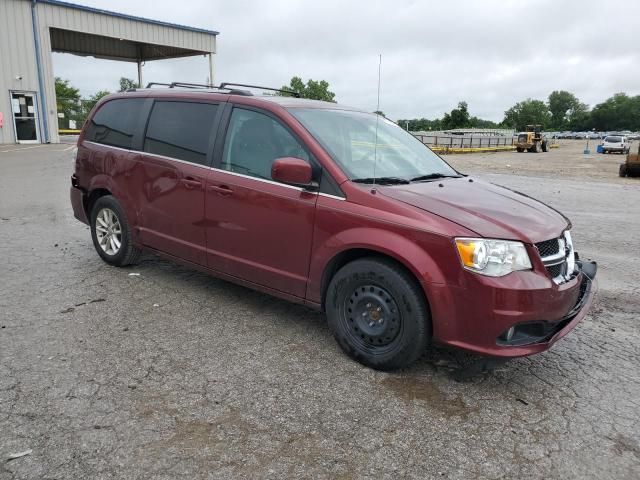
[{"x": 335, "y": 208}]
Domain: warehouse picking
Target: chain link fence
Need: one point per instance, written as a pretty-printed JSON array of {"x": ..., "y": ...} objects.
[{"x": 72, "y": 113}]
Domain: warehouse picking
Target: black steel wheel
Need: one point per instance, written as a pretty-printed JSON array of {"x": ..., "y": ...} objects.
[
  {"x": 372, "y": 317},
  {"x": 378, "y": 313}
]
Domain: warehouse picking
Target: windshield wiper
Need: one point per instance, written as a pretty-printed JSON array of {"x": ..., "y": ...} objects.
[
  {"x": 433, "y": 176},
  {"x": 383, "y": 180}
]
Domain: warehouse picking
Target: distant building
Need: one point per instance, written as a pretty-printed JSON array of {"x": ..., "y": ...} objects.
[{"x": 33, "y": 29}]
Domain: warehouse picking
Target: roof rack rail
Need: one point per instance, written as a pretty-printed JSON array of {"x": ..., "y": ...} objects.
[
  {"x": 231, "y": 91},
  {"x": 191, "y": 85},
  {"x": 295, "y": 94}
]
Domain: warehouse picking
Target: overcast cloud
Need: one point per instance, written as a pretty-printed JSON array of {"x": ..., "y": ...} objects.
[{"x": 434, "y": 54}]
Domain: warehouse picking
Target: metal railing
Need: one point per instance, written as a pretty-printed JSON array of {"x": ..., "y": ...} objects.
[{"x": 461, "y": 141}]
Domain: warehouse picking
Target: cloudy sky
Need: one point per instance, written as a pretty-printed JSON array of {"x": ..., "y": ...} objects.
[{"x": 490, "y": 53}]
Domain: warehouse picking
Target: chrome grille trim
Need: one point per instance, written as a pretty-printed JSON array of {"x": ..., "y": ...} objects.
[{"x": 560, "y": 265}]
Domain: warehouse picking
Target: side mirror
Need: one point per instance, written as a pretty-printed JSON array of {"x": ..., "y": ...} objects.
[{"x": 293, "y": 171}]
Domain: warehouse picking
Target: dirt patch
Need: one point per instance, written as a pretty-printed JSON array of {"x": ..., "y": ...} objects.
[{"x": 568, "y": 160}]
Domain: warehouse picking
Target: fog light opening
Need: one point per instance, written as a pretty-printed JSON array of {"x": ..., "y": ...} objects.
[{"x": 509, "y": 335}]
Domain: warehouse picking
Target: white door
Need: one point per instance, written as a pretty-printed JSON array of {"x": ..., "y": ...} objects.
[{"x": 25, "y": 117}]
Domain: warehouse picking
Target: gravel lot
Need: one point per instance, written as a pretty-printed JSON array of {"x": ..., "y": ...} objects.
[{"x": 157, "y": 371}]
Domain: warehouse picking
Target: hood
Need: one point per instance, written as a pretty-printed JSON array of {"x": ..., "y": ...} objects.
[{"x": 489, "y": 210}]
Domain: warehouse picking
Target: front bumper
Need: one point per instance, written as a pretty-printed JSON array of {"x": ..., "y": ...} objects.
[{"x": 475, "y": 318}]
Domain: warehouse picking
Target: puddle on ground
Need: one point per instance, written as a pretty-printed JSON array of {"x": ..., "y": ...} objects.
[{"x": 413, "y": 388}]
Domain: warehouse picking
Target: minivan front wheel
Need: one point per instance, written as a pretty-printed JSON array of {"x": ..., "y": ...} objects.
[
  {"x": 378, "y": 314},
  {"x": 111, "y": 233}
]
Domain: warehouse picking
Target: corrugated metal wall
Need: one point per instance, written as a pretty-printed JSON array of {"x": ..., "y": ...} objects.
[
  {"x": 109, "y": 26},
  {"x": 18, "y": 57}
]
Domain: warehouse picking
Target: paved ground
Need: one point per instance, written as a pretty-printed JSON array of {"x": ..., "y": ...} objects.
[{"x": 173, "y": 374}]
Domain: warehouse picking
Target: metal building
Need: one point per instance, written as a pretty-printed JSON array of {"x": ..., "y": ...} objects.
[{"x": 30, "y": 30}]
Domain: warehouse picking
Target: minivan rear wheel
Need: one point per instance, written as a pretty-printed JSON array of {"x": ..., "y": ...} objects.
[
  {"x": 111, "y": 233},
  {"x": 378, "y": 314}
]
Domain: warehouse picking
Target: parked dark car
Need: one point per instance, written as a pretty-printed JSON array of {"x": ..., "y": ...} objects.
[{"x": 334, "y": 208}]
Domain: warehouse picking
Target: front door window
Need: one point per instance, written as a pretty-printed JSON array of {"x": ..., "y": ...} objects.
[{"x": 254, "y": 140}]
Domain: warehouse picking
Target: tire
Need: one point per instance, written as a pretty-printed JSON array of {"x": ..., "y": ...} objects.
[
  {"x": 519, "y": 149},
  {"x": 623, "y": 170},
  {"x": 545, "y": 147},
  {"x": 107, "y": 219},
  {"x": 378, "y": 314}
]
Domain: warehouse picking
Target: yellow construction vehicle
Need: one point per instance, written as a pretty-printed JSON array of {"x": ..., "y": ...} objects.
[{"x": 532, "y": 140}]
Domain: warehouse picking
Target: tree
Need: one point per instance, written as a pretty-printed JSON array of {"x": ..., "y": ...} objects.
[
  {"x": 420, "y": 124},
  {"x": 561, "y": 103},
  {"x": 527, "y": 112},
  {"x": 458, "y": 118},
  {"x": 93, "y": 99},
  {"x": 127, "y": 83},
  {"x": 67, "y": 101},
  {"x": 620, "y": 112},
  {"x": 579, "y": 117},
  {"x": 313, "y": 89},
  {"x": 475, "y": 122}
]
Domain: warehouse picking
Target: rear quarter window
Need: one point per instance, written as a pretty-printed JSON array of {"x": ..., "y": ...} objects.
[
  {"x": 115, "y": 123},
  {"x": 181, "y": 130}
]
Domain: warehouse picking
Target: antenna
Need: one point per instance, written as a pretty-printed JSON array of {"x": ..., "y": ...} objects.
[{"x": 375, "y": 145}]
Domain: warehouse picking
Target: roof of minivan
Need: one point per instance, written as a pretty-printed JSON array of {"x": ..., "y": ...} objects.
[
  {"x": 287, "y": 102},
  {"x": 303, "y": 102}
]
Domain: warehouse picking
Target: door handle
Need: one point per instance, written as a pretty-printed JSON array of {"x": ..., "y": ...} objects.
[
  {"x": 191, "y": 183},
  {"x": 221, "y": 189}
]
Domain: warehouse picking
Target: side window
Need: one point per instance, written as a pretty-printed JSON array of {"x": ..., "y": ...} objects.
[
  {"x": 115, "y": 123},
  {"x": 180, "y": 130},
  {"x": 254, "y": 140}
]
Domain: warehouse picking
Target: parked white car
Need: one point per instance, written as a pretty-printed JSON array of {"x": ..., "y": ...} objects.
[{"x": 615, "y": 143}]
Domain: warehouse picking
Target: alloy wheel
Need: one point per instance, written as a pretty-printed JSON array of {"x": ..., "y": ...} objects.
[{"x": 108, "y": 231}]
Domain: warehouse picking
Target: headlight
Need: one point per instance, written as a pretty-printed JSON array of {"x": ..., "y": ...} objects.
[{"x": 494, "y": 258}]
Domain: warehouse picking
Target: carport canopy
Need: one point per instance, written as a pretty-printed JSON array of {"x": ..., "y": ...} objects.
[
  {"x": 64, "y": 27},
  {"x": 110, "y": 48}
]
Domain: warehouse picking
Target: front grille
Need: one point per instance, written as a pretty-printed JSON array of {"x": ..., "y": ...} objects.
[
  {"x": 548, "y": 247},
  {"x": 555, "y": 254},
  {"x": 556, "y": 270}
]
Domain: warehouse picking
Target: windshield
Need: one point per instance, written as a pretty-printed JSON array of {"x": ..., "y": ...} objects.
[{"x": 350, "y": 138}]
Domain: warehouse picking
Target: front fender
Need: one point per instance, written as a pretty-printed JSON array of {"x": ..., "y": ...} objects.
[{"x": 402, "y": 248}]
